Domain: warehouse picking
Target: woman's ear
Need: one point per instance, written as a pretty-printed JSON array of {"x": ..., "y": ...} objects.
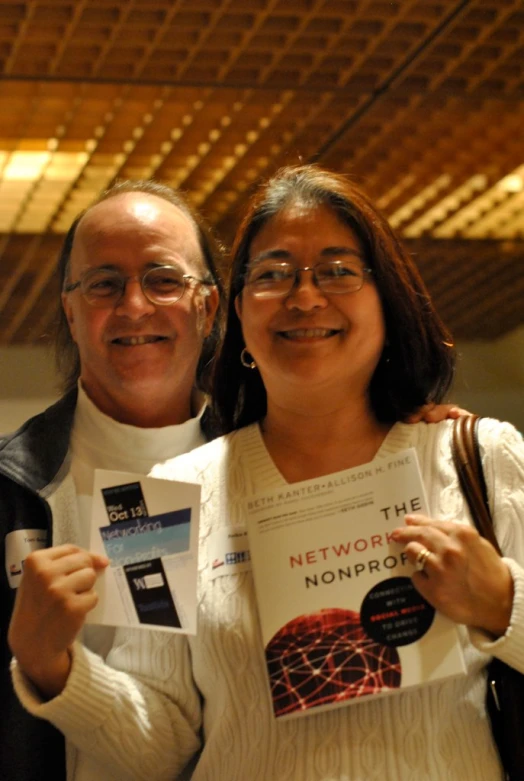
[{"x": 238, "y": 306}]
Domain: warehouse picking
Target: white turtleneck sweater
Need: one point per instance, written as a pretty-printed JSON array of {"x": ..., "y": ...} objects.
[
  {"x": 99, "y": 442},
  {"x": 140, "y": 718}
]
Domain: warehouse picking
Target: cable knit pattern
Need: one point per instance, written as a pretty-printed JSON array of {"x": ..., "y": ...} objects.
[{"x": 437, "y": 732}]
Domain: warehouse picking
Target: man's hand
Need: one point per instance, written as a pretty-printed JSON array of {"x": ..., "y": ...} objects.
[
  {"x": 54, "y": 597},
  {"x": 434, "y": 413}
]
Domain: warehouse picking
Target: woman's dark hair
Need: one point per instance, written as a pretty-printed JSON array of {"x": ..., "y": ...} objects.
[
  {"x": 66, "y": 352},
  {"x": 417, "y": 363}
]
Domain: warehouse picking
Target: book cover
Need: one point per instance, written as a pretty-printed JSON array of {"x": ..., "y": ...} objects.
[
  {"x": 340, "y": 617},
  {"x": 148, "y": 528}
]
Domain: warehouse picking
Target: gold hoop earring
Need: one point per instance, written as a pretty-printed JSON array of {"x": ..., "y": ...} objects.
[{"x": 244, "y": 360}]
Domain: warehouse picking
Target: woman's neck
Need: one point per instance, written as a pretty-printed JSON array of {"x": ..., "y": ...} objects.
[{"x": 307, "y": 445}]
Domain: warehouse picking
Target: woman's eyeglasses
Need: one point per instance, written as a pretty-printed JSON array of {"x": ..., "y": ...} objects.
[{"x": 272, "y": 279}]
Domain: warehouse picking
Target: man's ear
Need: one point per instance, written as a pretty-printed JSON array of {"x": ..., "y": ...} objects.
[
  {"x": 68, "y": 311},
  {"x": 211, "y": 302}
]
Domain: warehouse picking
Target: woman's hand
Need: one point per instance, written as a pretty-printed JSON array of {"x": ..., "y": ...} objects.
[
  {"x": 434, "y": 413},
  {"x": 52, "y": 602},
  {"x": 462, "y": 576}
]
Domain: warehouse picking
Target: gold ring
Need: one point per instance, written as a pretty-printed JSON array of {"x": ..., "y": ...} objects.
[{"x": 420, "y": 561}]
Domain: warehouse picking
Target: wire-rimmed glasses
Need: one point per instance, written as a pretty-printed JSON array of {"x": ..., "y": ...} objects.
[
  {"x": 162, "y": 285},
  {"x": 272, "y": 278}
]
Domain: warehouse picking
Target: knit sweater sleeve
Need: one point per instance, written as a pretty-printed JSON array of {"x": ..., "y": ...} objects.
[
  {"x": 503, "y": 461},
  {"x": 138, "y": 716}
]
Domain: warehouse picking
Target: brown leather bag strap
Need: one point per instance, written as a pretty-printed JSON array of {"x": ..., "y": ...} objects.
[{"x": 466, "y": 455}]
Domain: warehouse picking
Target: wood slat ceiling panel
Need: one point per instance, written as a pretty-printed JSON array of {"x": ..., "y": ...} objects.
[{"x": 421, "y": 101}]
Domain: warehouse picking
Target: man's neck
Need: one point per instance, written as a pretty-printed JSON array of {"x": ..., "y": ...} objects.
[{"x": 143, "y": 411}]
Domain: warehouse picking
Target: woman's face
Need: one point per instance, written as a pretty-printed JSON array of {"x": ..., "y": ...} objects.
[{"x": 309, "y": 338}]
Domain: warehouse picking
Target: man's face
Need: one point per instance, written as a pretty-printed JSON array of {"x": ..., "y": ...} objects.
[{"x": 135, "y": 353}]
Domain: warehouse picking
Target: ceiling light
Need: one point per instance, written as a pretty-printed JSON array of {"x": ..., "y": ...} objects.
[
  {"x": 512, "y": 183},
  {"x": 25, "y": 166}
]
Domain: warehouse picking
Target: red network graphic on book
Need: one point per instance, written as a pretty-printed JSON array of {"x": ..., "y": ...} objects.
[{"x": 325, "y": 658}]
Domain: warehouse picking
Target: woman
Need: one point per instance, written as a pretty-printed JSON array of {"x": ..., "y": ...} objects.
[{"x": 331, "y": 341}]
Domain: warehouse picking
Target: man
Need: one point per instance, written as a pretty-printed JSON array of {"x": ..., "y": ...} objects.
[{"x": 137, "y": 332}]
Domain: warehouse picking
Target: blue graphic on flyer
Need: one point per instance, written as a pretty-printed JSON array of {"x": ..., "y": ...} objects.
[{"x": 143, "y": 539}]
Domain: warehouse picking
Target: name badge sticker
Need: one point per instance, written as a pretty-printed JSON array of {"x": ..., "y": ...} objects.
[
  {"x": 228, "y": 552},
  {"x": 18, "y": 545}
]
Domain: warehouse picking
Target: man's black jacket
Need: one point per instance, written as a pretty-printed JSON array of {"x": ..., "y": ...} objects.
[{"x": 32, "y": 461}]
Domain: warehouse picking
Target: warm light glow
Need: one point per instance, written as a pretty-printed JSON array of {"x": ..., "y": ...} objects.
[
  {"x": 418, "y": 201},
  {"x": 25, "y": 166},
  {"x": 504, "y": 219},
  {"x": 480, "y": 218},
  {"x": 512, "y": 183},
  {"x": 395, "y": 191},
  {"x": 439, "y": 212}
]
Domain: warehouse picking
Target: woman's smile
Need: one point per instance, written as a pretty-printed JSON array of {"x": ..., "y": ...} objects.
[{"x": 308, "y": 334}]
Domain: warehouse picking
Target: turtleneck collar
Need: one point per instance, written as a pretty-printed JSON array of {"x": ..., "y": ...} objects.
[{"x": 109, "y": 444}]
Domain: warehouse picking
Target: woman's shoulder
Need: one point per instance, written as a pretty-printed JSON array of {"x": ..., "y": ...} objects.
[
  {"x": 502, "y": 451},
  {"x": 202, "y": 461},
  {"x": 183, "y": 466},
  {"x": 493, "y": 432},
  {"x": 499, "y": 442}
]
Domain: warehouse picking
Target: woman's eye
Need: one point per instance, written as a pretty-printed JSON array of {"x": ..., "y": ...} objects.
[
  {"x": 339, "y": 270},
  {"x": 270, "y": 274},
  {"x": 273, "y": 274}
]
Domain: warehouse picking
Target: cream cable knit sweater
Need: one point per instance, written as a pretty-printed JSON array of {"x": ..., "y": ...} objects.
[{"x": 140, "y": 717}]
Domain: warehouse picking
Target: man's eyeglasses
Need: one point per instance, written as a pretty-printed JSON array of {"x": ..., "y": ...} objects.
[
  {"x": 272, "y": 279},
  {"x": 162, "y": 285}
]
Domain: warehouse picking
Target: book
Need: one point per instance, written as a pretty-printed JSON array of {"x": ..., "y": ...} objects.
[
  {"x": 148, "y": 528},
  {"x": 339, "y": 615}
]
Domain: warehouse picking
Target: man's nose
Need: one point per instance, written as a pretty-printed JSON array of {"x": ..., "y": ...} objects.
[
  {"x": 134, "y": 303},
  {"x": 305, "y": 293}
]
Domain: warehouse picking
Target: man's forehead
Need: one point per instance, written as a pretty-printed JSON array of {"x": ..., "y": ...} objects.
[
  {"x": 136, "y": 217},
  {"x": 138, "y": 210}
]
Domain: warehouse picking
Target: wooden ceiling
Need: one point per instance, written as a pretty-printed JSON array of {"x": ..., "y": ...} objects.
[{"x": 421, "y": 101}]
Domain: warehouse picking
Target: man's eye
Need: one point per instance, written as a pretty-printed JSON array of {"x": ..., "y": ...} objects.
[
  {"x": 165, "y": 282},
  {"x": 103, "y": 286}
]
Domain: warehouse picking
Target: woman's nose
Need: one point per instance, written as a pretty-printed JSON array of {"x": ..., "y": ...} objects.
[{"x": 305, "y": 293}]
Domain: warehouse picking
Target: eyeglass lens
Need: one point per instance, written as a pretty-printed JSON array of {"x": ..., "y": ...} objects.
[
  {"x": 104, "y": 287},
  {"x": 270, "y": 278}
]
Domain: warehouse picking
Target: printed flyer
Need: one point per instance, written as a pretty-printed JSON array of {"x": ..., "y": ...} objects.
[
  {"x": 148, "y": 528},
  {"x": 339, "y": 615}
]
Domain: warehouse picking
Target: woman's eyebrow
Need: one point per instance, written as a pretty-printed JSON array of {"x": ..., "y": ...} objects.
[
  {"x": 272, "y": 254},
  {"x": 327, "y": 252},
  {"x": 332, "y": 251}
]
